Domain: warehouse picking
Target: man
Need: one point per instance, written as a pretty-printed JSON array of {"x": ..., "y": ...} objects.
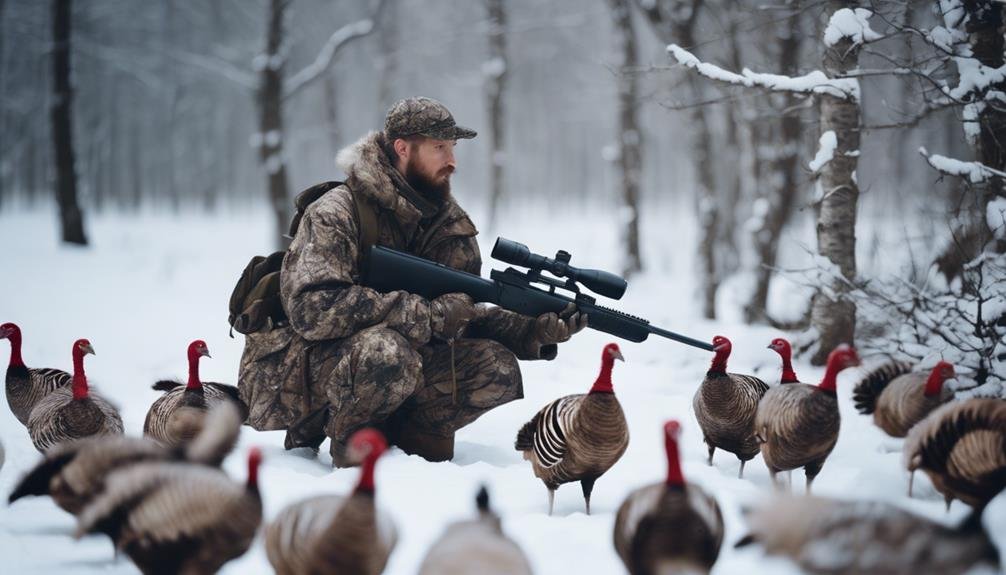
[{"x": 353, "y": 357}]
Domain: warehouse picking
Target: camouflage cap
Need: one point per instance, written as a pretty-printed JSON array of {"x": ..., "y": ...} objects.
[{"x": 423, "y": 117}]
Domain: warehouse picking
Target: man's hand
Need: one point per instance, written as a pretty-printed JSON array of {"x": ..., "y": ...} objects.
[
  {"x": 553, "y": 328},
  {"x": 450, "y": 314}
]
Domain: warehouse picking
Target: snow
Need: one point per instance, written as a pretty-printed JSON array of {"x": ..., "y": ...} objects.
[
  {"x": 995, "y": 215},
  {"x": 975, "y": 172},
  {"x": 494, "y": 67},
  {"x": 851, "y": 23},
  {"x": 825, "y": 151},
  {"x": 151, "y": 283},
  {"x": 816, "y": 82}
]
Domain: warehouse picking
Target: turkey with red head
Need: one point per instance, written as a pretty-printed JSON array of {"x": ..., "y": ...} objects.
[
  {"x": 577, "y": 437},
  {"x": 332, "y": 533},
  {"x": 725, "y": 405},
  {"x": 73, "y": 412},
  {"x": 25, "y": 385},
  {"x": 177, "y": 517},
  {"x": 176, "y": 417},
  {"x": 785, "y": 351},
  {"x": 669, "y": 527},
  {"x": 798, "y": 423},
  {"x": 899, "y": 397}
]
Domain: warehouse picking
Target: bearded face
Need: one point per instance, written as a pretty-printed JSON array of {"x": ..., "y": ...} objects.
[{"x": 428, "y": 168}]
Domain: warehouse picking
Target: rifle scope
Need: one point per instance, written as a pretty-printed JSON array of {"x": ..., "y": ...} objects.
[{"x": 597, "y": 281}]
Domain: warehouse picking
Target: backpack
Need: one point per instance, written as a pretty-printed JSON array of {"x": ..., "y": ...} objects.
[{"x": 255, "y": 304}]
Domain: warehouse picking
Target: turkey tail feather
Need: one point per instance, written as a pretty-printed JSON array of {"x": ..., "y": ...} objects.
[{"x": 868, "y": 388}]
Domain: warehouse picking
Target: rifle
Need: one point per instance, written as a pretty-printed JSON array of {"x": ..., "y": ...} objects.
[{"x": 389, "y": 270}]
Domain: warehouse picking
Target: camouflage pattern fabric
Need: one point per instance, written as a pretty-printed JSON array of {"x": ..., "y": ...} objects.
[
  {"x": 423, "y": 117},
  {"x": 361, "y": 355}
]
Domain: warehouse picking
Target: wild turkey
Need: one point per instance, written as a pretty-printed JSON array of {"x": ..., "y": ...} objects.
[
  {"x": 196, "y": 395},
  {"x": 962, "y": 448},
  {"x": 577, "y": 437},
  {"x": 72, "y": 413},
  {"x": 74, "y": 473},
  {"x": 785, "y": 351},
  {"x": 177, "y": 517},
  {"x": 669, "y": 527},
  {"x": 867, "y": 537},
  {"x": 335, "y": 534},
  {"x": 476, "y": 547},
  {"x": 899, "y": 398},
  {"x": 725, "y": 406},
  {"x": 25, "y": 386},
  {"x": 798, "y": 423}
]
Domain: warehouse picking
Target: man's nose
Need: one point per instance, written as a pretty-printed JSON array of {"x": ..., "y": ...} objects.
[{"x": 450, "y": 158}]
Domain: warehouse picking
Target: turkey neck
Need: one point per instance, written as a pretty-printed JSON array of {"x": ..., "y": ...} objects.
[
  {"x": 366, "y": 484},
  {"x": 934, "y": 384},
  {"x": 788, "y": 375},
  {"x": 252, "y": 484},
  {"x": 194, "y": 382},
  {"x": 719, "y": 362},
  {"x": 15, "y": 349},
  {"x": 79, "y": 378},
  {"x": 603, "y": 382},
  {"x": 675, "y": 479},
  {"x": 830, "y": 377}
]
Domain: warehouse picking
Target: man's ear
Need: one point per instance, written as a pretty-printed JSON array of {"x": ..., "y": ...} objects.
[{"x": 401, "y": 148}]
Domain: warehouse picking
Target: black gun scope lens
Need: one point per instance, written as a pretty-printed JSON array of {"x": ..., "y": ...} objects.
[{"x": 511, "y": 252}]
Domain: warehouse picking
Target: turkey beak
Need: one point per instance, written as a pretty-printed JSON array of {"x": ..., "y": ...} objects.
[
  {"x": 618, "y": 355},
  {"x": 89, "y": 349},
  {"x": 206, "y": 352}
]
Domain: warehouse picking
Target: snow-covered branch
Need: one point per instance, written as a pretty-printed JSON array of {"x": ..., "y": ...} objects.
[
  {"x": 326, "y": 56},
  {"x": 815, "y": 82},
  {"x": 975, "y": 172},
  {"x": 852, "y": 24}
]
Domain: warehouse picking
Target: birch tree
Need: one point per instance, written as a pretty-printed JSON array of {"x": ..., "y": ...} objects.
[
  {"x": 629, "y": 144},
  {"x": 833, "y": 317},
  {"x": 495, "y": 72}
]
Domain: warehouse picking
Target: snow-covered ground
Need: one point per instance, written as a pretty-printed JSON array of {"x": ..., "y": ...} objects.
[{"x": 150, "y": 284}]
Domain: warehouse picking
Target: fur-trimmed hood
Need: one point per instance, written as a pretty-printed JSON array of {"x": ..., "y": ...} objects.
[{"x": 369, "y": 171}]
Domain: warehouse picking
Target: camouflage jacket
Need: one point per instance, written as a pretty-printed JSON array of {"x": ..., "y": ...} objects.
[{"x": 324, "y": 302}]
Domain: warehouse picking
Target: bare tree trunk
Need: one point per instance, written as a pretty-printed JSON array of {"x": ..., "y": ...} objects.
[
  {"x": 71, "y": 218},
  {"x": 835, "y": 318},
  {"x": 629, "y": 136},
  {"x": 782, "y": 189},
  {"x": 270, "y": 99},
  {"x": 387, "y": 62},
  {"x": 495, "y": 71}
]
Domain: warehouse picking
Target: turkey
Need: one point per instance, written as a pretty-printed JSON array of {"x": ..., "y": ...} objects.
[
  {"x": 962, "y": 448},
  {"x": 785, "y": 351},
  {"x": 73, "y": 473},
  {"x": 725, "y": 405},
  {"x": 71, "y": 413},
  {"x": 476, "y": 547},
  {"x": 869, "y": 537},
  {"x": 669, "y": 527},
  {"x": 798, "y": 423},
  {"x": 25, "y": 386},
  {"x": 195, "y": 395},
  {"x": 335, "y": 534},
  {"x": 577, "y": 437},
  {"x": 177, "y": 517},
  {"x": 899, "y": 398}
]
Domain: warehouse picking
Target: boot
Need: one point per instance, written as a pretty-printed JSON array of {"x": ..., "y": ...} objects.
[
  {"x": 308, "y": 431},
  {"x": 416, "y": 441}
]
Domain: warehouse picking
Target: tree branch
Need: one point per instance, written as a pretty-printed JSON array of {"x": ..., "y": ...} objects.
[
  {"x": 326, "y": 56},
  {"x": 975, "y": 172}
]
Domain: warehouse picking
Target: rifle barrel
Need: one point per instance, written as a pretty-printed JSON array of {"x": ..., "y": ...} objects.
[{"x": 682, "y": 338}]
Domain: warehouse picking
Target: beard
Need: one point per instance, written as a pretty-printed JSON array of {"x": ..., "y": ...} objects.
[{"x": 426, "y": 185}]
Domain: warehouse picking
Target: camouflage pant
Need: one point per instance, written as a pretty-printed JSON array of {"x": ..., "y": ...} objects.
[{"x": 376, "y": 378}]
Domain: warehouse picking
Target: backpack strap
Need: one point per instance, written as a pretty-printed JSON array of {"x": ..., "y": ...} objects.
[{"x": 367, "y": 217}]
